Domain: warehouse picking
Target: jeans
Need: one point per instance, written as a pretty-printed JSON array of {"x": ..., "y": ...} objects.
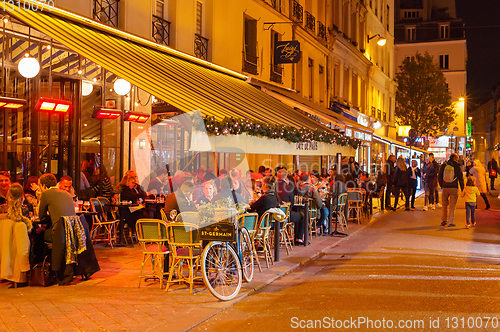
[
  {"x": 470, "y": 209},
  {"x": 388, "y": 191},
  {"x": 429, "y": 195},
  {"x": 483, "y": 195},
  {"x": 323, "y": 216},
  {"x": 406, "y": 192},
  {"x": 412, "y": 192},
  {"x": 436, "y": 196},
  {"x": 450, "y": 197},
  {"x": 492, "y": 182}
]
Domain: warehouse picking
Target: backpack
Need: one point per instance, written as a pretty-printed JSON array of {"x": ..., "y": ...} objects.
[{"x": 449, "y": 174}]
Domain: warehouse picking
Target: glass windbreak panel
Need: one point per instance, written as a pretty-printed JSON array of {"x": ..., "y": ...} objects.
[
  {"x": 90, "y": 138},
  {"x": 18, "y": 147}
]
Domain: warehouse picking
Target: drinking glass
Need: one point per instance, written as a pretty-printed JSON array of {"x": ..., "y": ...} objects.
[
  {"x": 173, "y": 214},
  {"x": 86, "y": 205}
]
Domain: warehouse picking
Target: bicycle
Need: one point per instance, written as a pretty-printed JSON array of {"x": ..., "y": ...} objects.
[{"x": 226, "y": 259}]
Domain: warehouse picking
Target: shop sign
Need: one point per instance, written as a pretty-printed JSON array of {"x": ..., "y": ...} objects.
[
  {"x": 362, "y": 136},
  {"x": 287, "y": 52},
  {"x": 348, "y": 132},
  {"x": 469, "y": 128},
  {"x": 363, "y": 120},
  {"x": 404, "y": 131},
  {"x": 438, "y": 142},
  {"x": 306, "y": 146}
]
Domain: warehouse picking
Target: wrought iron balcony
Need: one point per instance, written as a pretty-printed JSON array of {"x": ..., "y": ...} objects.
[
  {"x": 277, "y": 73},
  {"x": 106, "y": 11},
  {"x": 250, "y": 63},
  {"x": 297, "y": 12},
  {"x": 161, "y": 30},
  {"x": 310, "y": 22},
  {"x": 200, "y": 47},
  {"x": 321, "y": 31}
]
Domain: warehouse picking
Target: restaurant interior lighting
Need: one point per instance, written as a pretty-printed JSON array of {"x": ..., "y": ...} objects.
[
  {"x": 87, "y": 88},
  {"x": 28, "y": 67},
  {"x": 53, "y": 105},
  {"x": 12, "y": 103},
  {"x": 122, "y": 87},
  {"x": 105, "y": 113},
  {"x": 136, "y": 117}
]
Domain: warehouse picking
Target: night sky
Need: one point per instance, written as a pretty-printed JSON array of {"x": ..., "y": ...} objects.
[{"x": 482, "y": 31}]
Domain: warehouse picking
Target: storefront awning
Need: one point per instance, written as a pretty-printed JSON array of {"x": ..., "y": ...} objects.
[
  {"x": 186, "y": 82},
  {"x": 398, "y": 143}
]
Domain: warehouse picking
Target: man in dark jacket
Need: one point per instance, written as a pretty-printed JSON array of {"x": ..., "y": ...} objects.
[
  {"x": 414, "y": 173},
  {"x": 493, "y": 172},
  {"x": 430, "y": 172},
  {"x": 450, "y": 177},
  {"x": 389, "y": 170},
  {"x": 306, "y": 189},
  {"x": 285, "y": 190}
]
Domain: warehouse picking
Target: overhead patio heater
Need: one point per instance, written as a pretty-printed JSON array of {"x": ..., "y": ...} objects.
[
  {"x": 136, "y": 117},
  {"x": 12, "y": 103},
  {"x": 106, "y": 113},
  {"x": 57, "y": 106}
]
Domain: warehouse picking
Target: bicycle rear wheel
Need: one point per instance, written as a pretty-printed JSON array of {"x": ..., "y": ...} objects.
[
  {"x": 246, "y": 254},
  {"x": 221, "y": 270}
]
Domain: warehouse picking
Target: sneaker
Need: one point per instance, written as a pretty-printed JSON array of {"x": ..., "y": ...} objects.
[
  {"x": 438, "y": 205},
  {"x": 412, "y": 207},
  {"x": 451, "y": 225},
  {"x": 444, "y": 223},
  {"x": 467, "y": 225},
  {"x": 407, "y": 209},
  {"x": 433, "y": 207},
  {"x": 473, "y": 224},
  {"x": 488, "y": 207},
  {"x": 425, "y": 208}
]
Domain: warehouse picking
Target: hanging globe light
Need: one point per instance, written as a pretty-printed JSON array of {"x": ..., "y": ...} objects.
[
  {"x": 87, "y": 88},
  {"x": 28, "y": 67},
  {"x": 122, "y": 87},
  {"x": 377, "y": 125}
]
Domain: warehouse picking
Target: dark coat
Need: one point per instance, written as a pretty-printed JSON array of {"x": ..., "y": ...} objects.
[
  {"x": 458, "y": 180},
  {"x": 390, "y": 172},
  {"x": 401, "y": 178},
  {"x": 132, "y": 194},
  {"x": 492, "y": 164},
  {"x": 264, "y": 203},
  {"x": 431, "y": 171},
  {"x": 286, "y": 192},
  {"x": 179, "y": 202}
]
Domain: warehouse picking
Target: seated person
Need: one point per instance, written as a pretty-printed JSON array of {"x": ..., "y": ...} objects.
[
  {"x": 306, "y": 189},
  {"x": 4, "y": 186},
  {"x": 181, "y": 199},
  {"x": 285, "y": 190},
  {"x": 32, "y": 194},
  {"x": 66, "y": 184},
  {"x": 131, "y": 191},
  {"x": 156, "y": 185},
  {"x": 54, "y": 204},
  {"x": 227, "y": 190},
  {"x": 208, "y": 193},
  {"x": 267, "y": 200}
]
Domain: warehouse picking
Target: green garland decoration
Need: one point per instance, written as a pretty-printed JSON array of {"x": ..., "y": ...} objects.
[{"x": 237, "y": 126}]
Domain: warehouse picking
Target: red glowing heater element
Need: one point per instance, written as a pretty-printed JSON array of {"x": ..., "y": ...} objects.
[
  {"x": 106, "y": 113},
  {"x": 136, "y": 117},
  {"x": 11, "y": 103},
  {"x": 52, "y": 105}
]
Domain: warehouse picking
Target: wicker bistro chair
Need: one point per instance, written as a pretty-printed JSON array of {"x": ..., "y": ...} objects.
[
  {"x": 152, "y": 236},
  {"x": 103, "y": 230},
  {"x": 190, "y": 217},
  {"x": 313, "y": 216},
  {"x": 262, "y": 237},
  {"x": 355, "y": 202},
  {"x": 251, "y": 222},
  {"x": 164, "y": 215},
  {"x": 380, "y": 195},
  {"x": 341, "y": 211},
  {"x": 286, "y": 228},
  {"x": 185, "y": 249}
]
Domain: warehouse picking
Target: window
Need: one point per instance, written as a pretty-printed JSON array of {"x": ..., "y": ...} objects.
[
  {"x": 161, "y": 27},
  {"x": 160, "y": 8},
  {"x": 444, "y": 61},
  {"x": 276, "y": 69},
  {"x": 106, "y": 11},
  {"x": 444, "y": 31},
  {"x": 199, "y": 16},
  {"x": 412, "y": 14},
  {"x": 410, "y": 58},
  {"x": 387, "y": 12},
  {"x": 322, "y": 89},
  {"x": 311, "y": 77},
  {"x": 250, "y": 51},
  {"x": 411, "y": 34}
]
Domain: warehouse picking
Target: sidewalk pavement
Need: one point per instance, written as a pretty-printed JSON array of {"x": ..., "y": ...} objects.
[{"x": 111, "y": 300}]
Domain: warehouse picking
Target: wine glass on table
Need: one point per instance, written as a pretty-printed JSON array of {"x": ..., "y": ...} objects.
[
  {"x": 86, "y": 206},
  {"x": 173, "y": 214}
]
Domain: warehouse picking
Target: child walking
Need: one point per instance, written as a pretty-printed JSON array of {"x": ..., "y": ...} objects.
[{"x": 471, "y": 193}]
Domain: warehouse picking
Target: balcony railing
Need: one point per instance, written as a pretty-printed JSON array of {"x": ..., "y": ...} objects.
[
  {"x": 106, "y": 11},
  {"x": 161, "y": 30},
  {"x": 200, "y": 47},
  {"x": 277, "y": 74},
  {"x": 321, "y": 31},
  {"x": 310, "y": 22},
  {"x": 297, "y": 12},
  {"x": 276, "y": 4},
  {"x": 250, "y": 63}
]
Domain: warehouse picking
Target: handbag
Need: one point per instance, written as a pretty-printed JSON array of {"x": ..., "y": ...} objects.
[
  {"x": 41, "y": 275},
  {"x": 493, "y": 173}
]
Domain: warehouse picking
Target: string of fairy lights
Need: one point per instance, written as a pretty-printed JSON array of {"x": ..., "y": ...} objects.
[{"x": 236, "y": 126}]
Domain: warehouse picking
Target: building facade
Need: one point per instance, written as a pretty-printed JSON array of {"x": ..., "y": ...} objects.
[{"x": 432, "y": 26}]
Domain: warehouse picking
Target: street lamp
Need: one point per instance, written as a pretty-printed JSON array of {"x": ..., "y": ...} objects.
[{"x": 381, "y": 40}]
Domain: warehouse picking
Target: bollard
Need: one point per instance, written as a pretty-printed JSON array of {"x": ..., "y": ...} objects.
[
  {"x": 306, "y": 223},
  {"x": 276, "y": 240}
]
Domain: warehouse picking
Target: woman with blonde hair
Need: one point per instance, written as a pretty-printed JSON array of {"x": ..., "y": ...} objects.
[
  {"x": 479, "y": 173},
  {"x": 15, "y": 199},
  {"x": 401, "y": 182}
]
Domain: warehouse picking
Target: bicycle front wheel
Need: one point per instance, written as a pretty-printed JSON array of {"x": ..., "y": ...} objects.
[
  {"x": 246, "y": 254},
  {"x": 221, "y": 270}
]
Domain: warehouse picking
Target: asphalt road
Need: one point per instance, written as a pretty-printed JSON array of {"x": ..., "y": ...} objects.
[{"x": 404, "y": 272}]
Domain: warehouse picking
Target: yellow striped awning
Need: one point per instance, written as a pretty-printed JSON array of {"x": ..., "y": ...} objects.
[{"x": 181, "y": 80}]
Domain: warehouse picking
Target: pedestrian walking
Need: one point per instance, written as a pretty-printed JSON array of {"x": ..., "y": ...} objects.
[
  {"x": 450, "y": 178},
  {"x": 414, "y": 174},
  {"x": 401, "y": 182},
  {"x": 389, "y": 170},
  {"x": 430, "y": 175},
  {"x": 479, "y": 173},
  {"x": 493, "y": 172},
  {"x": 470, "y": 193}
]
